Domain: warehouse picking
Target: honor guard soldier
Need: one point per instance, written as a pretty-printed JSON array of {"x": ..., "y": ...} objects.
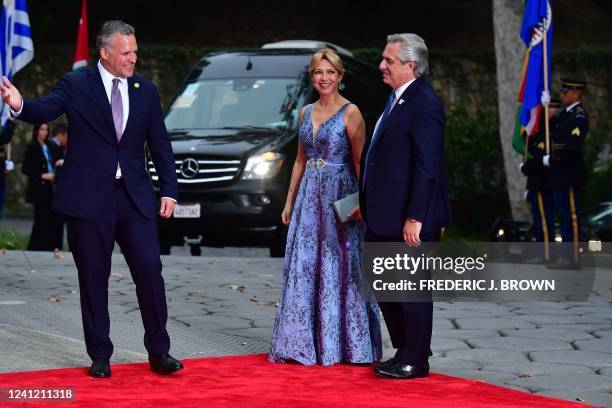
[
  {"x": 567, "y": 168},
  {"x": 539, "y": 194}
]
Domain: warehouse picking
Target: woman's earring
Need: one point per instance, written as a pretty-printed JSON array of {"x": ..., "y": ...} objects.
[{"x": 341, "y": 86}]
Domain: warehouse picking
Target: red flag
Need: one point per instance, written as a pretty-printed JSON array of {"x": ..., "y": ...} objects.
[{"x": 81, "y": 56}]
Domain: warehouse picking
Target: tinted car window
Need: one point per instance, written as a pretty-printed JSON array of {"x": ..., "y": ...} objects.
[
  {"x": 251, "y": 64},
  {"x": 238, "y": 102}
]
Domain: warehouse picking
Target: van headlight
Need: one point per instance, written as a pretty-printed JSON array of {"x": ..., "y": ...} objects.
[{"x": 262, "y": 166}]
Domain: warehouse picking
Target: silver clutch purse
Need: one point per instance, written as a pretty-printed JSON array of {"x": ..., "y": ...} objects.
[{"x": 345, "y": 206}]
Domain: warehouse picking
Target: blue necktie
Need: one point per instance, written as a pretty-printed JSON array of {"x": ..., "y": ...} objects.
[{"x": 375, "y": 135}]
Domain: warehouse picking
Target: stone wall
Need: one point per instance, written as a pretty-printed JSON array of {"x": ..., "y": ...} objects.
[{"x": 464, "y": 78}]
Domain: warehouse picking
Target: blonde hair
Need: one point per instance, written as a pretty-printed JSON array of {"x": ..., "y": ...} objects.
[{"x": 326, "y": 54}]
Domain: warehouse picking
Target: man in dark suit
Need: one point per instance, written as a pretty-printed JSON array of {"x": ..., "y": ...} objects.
[
  {"x": 104, "y": 189},
  {"x": 57, "y": 146},
  {"x": 404, "y": 195}
]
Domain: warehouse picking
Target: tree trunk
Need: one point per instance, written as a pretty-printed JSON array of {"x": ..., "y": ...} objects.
[{"x": 510, "y": 54}]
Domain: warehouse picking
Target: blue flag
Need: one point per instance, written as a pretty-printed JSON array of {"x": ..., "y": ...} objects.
[
  {"x": 536, "y": 22},
  {"x": 16, "y": 47}
]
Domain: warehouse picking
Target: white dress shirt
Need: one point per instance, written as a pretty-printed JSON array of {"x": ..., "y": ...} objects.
[
  {"x": 398, "y": 93},
  {"x": 107, "y": 81}
]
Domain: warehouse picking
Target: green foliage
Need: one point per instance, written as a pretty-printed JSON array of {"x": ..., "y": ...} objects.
[
  {"x": 596, "y": 141},
  {"x": 584, "y": 57},
  {"x": 473, "y": 152},
  {"x": 598, "y": 188},
  {"x": 13, "y": 240},
  {"x": 475, "y": 169},
  {"x": 454, "y": 235},
  {"x": 599, "y": 170},
  {"x": 368, "y": 55}
]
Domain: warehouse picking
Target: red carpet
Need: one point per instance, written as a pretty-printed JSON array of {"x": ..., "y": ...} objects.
[{"x": 254, "y": 382}]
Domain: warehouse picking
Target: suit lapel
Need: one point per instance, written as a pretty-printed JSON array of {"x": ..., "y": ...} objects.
[
  {"x": 99, "y": 96},
  {"x": 403, "y": 100},
  {"x": 133, "y": 94}
]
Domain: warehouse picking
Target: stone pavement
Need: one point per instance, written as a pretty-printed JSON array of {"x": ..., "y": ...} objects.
[{"x": 225, "y": 305}]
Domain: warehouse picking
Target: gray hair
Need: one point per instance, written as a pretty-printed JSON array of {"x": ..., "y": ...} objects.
[
  {"x": 109, "y": 29},
  {"x": 412, "y": 48}
]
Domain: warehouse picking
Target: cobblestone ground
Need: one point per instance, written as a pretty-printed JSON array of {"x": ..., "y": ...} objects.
[{"x": 225, "y": 305}]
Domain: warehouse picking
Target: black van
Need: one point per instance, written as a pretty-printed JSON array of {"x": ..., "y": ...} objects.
[{"x": 233, "y": 126}]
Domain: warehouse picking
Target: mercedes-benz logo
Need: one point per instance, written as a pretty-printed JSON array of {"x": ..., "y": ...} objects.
[{"x": 189, "y": 168}]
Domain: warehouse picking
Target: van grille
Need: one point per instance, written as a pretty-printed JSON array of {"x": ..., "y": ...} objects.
[{"x": 195, "y": 171}]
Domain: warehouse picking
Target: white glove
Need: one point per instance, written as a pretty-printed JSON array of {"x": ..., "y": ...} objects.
[
  {"x": 545, "y": 98},
  {"x": 546, "y": 160},
  {"x": 520, "y": 167},
  {"x": 9, "y": 165}
]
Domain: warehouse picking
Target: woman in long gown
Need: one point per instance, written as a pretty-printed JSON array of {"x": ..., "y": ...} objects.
[{"x": 322, "y": 317}]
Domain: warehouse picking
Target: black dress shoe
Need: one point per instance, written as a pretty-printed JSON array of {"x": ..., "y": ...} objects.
[
  {"x": 100, "y": 368},
  {"x": 164, "y": 363},
  {"x": 387, "y": 363},
  {"x": 403, "y": 371}
]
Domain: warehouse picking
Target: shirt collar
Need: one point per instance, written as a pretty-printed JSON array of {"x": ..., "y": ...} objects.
[
  {"x": 572, "y": 106},
  {"x": 107, "y": 77},
  {"x": 399, "y": 91}
]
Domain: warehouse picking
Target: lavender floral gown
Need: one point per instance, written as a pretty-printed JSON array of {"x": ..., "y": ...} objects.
[{"x": 322, "y": 317}]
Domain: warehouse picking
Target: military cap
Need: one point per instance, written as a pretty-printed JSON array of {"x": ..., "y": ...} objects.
[{"x": 569, "y": 84}]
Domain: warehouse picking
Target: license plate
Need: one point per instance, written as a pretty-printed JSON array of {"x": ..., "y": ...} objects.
[{"x": 187, "y": 211}]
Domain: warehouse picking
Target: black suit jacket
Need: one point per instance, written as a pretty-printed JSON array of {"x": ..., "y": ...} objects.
[
  {"x": 39, "y": 191},
  {"x": 405, "y": 171},
  {"x": 57, "y": 153}
]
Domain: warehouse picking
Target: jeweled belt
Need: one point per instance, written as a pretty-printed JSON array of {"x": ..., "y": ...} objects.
[{"x": 320, "y": 163}]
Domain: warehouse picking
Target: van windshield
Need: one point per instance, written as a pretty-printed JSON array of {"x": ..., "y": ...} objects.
[{"x": 236, "y": 103}]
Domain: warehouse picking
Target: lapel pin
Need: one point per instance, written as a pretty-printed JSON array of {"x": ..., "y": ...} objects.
[
  {"x": 136, "y": 85},
  {"x": 401, "y": 101}
]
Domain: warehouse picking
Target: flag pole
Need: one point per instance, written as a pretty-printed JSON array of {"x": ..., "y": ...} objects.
[
  {"x": 546, "y": 124},
  {"x": 545, "y": 56}
]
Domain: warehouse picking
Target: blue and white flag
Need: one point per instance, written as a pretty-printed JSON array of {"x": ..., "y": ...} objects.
[
  {"x": 537, "y": 23},
  {"x": 16, "y": 47}
]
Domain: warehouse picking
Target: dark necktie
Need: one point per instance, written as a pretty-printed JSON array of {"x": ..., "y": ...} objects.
[
  {"x": 117, "y": 108},
  {"x": 388, "y": 107}
]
